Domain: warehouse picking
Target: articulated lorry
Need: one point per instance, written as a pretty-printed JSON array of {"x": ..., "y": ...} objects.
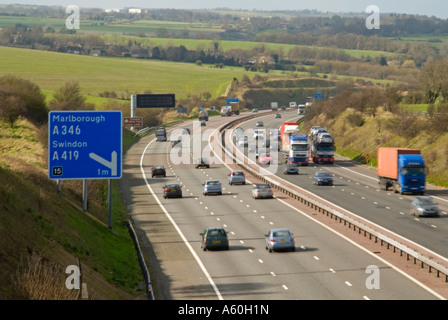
[
  {"x": 294, "y": 144},
  {"x": 321, "y": 150},
  {"x": 402, "y": 169}
]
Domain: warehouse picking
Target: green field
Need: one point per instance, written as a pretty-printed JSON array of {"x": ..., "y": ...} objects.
[
  {"x": 225, "y": 45},
  {"x": 51, "y": 70}
]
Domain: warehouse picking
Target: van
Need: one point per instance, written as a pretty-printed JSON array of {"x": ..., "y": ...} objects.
[{"x": 258, "y": 134}]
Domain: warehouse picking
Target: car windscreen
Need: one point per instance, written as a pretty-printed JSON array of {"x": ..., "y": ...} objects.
[
  {"x": 427, "y": 201},
  {"x": 323, "y": 174},
  {"x": 281, "y": 233},
  {"x": 299, "y": 147}
]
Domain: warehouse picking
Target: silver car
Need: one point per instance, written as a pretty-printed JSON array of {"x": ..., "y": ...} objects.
[
  {"x": 424, "y": 207},
  {"x": 291, "y": 168},
  {"x": 280, "y": 239},
  {"x": 237, "y": 176},
  {"x": 212, "y": 186},
  {"x": 262, "y": 191}
]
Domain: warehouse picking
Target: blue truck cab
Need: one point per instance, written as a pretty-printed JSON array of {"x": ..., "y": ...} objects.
[{"x": 411, "y": 173}]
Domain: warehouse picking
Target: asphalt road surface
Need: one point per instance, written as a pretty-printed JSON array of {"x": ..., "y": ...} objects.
[{"x": 325, "y": 265}]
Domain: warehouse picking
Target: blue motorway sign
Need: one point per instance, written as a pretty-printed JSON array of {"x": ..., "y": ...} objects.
[{"x": 85, "y": 144}]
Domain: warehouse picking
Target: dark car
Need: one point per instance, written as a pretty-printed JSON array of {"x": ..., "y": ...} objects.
[
  {"x": 291, "y": 168},
  {"x": 424, "y": 207},
  {"x": 323, "y": 178},
  {"x": 214, "y": 238},
  {"x": 172, "y": 190},
  {"x": 176, "y": 143},
  {"x": 158, "y": 170},
  {"x": 201, "y": 162}
]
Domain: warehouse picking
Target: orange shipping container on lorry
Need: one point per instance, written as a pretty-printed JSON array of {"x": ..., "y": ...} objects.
[{"x": 388, "y": 161}]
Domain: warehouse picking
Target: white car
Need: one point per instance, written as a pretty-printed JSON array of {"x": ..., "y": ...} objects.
[
  {"x": 243, "y": 141},
  {"x": 259, "y": 134},
  {"x": 325, "y": 137}
]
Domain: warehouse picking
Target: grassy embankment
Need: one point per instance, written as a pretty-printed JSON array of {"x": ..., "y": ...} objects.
[{"x": 46, "y": 231}]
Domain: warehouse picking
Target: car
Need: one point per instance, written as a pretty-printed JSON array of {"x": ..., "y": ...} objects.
[
  {"x": 259, "y": 124},
  {"x": 259, "y": 134},
  {"x": 275, "y": 146},
  {"x": 324, "y": 137},
  {"x": 283, "y": 108},
  {"x": 291, "y": 168},
  {"x": 201, "y": 162},
  {"x": 265, "y": 158},
  {"x": 323, "y": 177},
  {"x": 277, "y": 116},
  {"x": 214, "y": 238},
  {"x": 254, "y": 110},
  {"x": 172, "y": 190},
  {"x": 203, "y": 123},
  {"x": 280, "y": 239},
  {"x": 158, "y": 170},
  {"x": 237, "y": 176},
  {"x": 424, "y": 206},
  {"x": 252, "y": 148},
  {"x": 212, "y": 186},
  {"x": 176, "y": 143},
  {"x": 243, "y": 141},
  {"x": 262, "y": 191}
]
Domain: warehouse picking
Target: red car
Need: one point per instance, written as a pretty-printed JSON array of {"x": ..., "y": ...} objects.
[{"x": 264, "y": 158}]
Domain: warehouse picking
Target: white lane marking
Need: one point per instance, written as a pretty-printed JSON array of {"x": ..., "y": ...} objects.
[
  {"x": 339, "y": 234},
  {"x": 348, "y": 283},
  {"x": 196, "y": 257}
]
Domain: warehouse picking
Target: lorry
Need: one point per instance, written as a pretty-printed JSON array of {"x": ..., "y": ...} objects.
[
  {"x": 293, "y": 104},
  {"x": 235, "y": 108},
  {"x": 301, "y": 109},
  {"x": 402, "y": 169},
  {"x": 160, "y": 134},
  {"x": 320, "y": 150},
  {"x": 294, "y": 144},
  {"x": 274, "y": 106},
  {"x": 203, "y": 115}
]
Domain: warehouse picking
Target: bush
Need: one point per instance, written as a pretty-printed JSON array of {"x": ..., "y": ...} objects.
[{"x": 21, "y": 97}]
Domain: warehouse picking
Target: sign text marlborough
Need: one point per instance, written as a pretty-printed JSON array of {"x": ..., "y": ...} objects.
[{"x": 85, "y": 144}]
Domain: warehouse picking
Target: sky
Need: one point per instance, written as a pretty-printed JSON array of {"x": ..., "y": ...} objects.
[{"x": 438, "y": 8}]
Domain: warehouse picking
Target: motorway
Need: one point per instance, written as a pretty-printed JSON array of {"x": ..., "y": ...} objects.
[{"x": 325, "y": 265}]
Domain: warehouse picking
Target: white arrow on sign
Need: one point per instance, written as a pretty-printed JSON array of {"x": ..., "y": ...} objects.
[{"x": 112, "y": 165}]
